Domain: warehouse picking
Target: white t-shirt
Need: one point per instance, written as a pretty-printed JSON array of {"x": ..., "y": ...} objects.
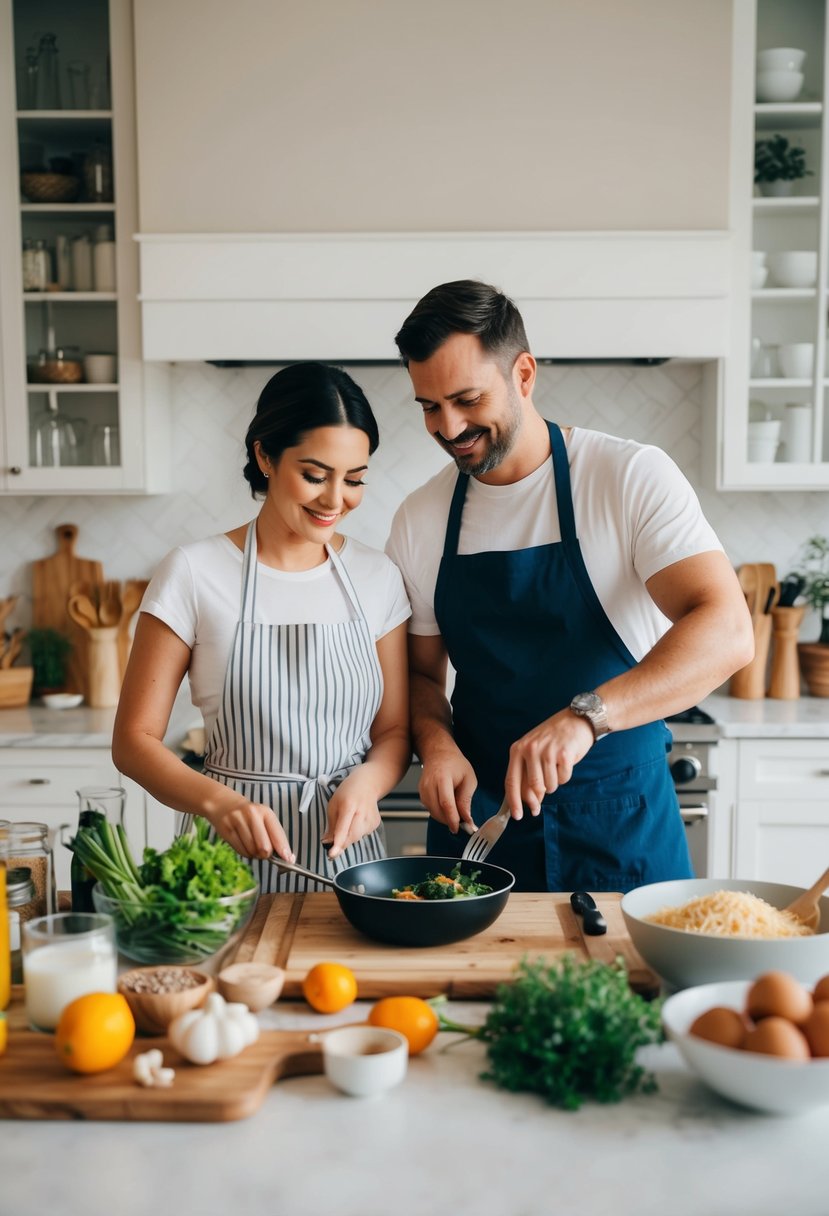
[
  {"x": 635, "y": 514},
  {"x": 197, "y": 591}
]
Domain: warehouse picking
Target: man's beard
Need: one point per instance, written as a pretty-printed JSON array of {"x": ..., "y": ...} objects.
[{"x": 498, "y": 448}]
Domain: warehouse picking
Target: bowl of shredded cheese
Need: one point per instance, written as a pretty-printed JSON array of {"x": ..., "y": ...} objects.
[{"x": 703, "y": 930}]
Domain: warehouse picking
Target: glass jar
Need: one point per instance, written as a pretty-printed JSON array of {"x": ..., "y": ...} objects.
[
  {"x": 97, "y": 175},
  {"x": 95, "y": 804},
  {"x": 30, "y": 847},
  {"x": 5, "y": 953},
  {"x": 22, "y": 901},
  {"x": 48, "y": 74}
]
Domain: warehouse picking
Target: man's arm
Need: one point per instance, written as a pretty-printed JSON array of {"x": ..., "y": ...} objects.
[
  {"x": 448, "y": 780},
  {"x": 710, "y": 638}
]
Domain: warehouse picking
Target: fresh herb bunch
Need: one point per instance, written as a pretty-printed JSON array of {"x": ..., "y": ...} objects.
[
  {"x": 568, "y": 1031},
  {"x": 170, "y": 906}
]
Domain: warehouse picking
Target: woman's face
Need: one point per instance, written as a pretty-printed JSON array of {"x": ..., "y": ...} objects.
[{"x": 317, "y": 483}]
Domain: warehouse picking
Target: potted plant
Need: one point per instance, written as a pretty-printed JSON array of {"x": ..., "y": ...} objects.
[
  {"x": 814, "y": 656},
  {"x": 778, "y": 165},
  {"x": 50, "y": 653}
]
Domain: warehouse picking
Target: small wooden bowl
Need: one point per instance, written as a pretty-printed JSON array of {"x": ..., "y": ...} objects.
[
  {"x": 256, "y": 985},
  {"x": 154, "y": 1011}
]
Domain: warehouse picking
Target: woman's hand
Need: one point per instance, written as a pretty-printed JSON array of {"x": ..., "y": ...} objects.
[
  {"x": 447, "y": 786},
  {"x": 251, "y": 828},
  {"x": 352, "y": 812}
]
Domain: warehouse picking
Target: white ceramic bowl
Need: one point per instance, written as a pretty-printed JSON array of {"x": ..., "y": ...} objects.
[
  {"x": 364, "y": 1061},
  {"x": 781, "y": 59},
  {"x": 683, "y": 959},
  {"x": 762, "y": 451},
  {"x": 797, "y": 360},
  {"x": 779, "y": 86},
  {"x": 768, "y": 430},
  {"x": 793, "y": 268},
  {"x": 62, "y": 700},
  {"x": 759, "y": 274},
  {"x": 758, "y": 257},
  {"x": 780, "y": 1087}
]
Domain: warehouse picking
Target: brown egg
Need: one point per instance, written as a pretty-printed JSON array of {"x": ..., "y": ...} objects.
[
  {"x": 777, "y": 994},
  {"x": 821, "y": 992},
  {"x": 816, "y": 1029},
  {"x": 776, "y": 1037},
  {"x": 726, "y": 1027}
]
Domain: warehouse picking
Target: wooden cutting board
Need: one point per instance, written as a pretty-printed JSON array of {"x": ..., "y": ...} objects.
[
  {"x": 52, "y": 581},
  {"x": 35, "y": 1085},
  {"x": 296, "y": 931}
]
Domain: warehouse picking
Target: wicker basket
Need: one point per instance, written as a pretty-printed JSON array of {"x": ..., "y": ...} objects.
[
  {"x": 15, "y": 686},
  {"x": 49, "y": 187}
]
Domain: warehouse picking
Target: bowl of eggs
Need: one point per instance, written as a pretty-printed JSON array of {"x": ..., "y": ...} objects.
[
  {"x": 701, "y": 930},
  {"x": 762, "y": 1043}
]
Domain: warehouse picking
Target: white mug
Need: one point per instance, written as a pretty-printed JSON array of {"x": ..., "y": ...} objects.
[
  {"x": 796, "y": 360},
  {"x": 99, "y": 369},
  {"x": 797, "y": 433}
]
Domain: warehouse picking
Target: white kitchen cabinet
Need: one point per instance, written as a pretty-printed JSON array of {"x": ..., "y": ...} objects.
[
  {"x": 751, "y": 384},
  {"x": 781, "y": 815},
  {"x": 118, "y": 428},
  {"x": 41, "y": 784}
]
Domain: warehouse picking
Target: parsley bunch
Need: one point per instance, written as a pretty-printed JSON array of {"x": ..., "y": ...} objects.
[{"x": 568, "y": 1031}]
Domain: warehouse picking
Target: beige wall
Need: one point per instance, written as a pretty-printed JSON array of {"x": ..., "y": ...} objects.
[{"x": 396, "y": 115}]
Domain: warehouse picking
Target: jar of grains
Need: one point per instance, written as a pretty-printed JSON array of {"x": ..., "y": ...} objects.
[
  {"x": 21, "y": 898},
  {"x": 30, "y": 847}
]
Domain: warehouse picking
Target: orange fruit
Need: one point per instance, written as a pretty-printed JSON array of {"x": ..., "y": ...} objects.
[
  {"x": 329, "y": 987},
  {"x": 95, "y": 1032},
  {"x": 411, "y": 1016}
]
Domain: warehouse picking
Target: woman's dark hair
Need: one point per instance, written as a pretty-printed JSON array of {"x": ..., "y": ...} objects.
[
  {"x": 300, "y": 398},
  {"x": 463, "y": 307}
]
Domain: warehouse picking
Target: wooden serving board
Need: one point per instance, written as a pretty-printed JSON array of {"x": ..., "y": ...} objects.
[
  {"x": 53, "y": 579},
  {"x": 35, "y": 1085},
  {"x": 296, "y": 931}
]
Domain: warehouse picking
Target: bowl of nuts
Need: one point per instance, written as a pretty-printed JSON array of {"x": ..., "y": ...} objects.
[{"x": 157, "y": 995}]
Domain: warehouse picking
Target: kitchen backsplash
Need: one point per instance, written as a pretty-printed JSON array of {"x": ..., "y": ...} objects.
[{"x": 212, "y": 407}]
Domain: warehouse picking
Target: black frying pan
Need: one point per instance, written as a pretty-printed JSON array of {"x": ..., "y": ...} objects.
[{"x": 364, "y": 893}]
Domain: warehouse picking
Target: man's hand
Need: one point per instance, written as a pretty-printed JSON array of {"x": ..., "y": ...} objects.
[
  {"x": 543, "y": 759},
  {"x": 447, "y": 786}
]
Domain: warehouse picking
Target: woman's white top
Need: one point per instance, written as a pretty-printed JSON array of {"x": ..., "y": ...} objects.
[
  {"x": 196, "y": 589},
  {"x": 636, "y": 513}
]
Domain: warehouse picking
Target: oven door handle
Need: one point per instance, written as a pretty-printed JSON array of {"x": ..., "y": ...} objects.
[{"x": 693, "y": 814}]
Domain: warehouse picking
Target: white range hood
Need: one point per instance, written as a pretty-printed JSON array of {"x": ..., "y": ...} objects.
[{"x": 342, "y": 297}]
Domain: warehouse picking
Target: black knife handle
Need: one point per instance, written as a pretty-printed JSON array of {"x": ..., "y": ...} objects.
[{"x": 584, "y": 905}]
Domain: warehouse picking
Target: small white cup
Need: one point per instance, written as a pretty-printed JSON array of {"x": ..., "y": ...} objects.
[
  {"x": 796, "y": 360},
  {"x": 99, "y": 369},
  {"x": 759, "y": 274},
  {"x": 758, "y": 257},
  {"x": 364, "y": 1061}
]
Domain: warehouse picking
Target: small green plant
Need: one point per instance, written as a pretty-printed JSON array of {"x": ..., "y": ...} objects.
[
  {"x": 814, "y": 568},
  {"x": 50, "y": 653},
  {"x": 776, "y": 160}
]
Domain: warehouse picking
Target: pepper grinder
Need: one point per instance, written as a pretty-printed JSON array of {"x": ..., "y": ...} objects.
[{"x": 784, "y": 684}]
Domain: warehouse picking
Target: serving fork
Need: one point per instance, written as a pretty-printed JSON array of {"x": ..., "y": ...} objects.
[{"x": 480, "y": 843}]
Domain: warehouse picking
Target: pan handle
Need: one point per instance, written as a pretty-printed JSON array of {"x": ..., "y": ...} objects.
[{"x": 293, "y": 868}]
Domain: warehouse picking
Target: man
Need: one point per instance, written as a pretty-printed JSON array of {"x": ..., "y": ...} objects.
[{"x": 580, "y": 595}]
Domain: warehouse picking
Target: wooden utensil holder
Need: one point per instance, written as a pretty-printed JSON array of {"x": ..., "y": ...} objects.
[
  {"x": 749, "y": 683},
  {"x": 103, "y": 668},
  {"x": 785, "y": 667}
]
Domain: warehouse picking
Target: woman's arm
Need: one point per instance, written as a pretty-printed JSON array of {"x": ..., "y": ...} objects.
[
  {"x": 157, "y": 665},
  {"x": 353, "y": 810}
]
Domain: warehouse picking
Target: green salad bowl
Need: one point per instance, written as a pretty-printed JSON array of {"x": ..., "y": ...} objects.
[{"x": 171, "y": 930}]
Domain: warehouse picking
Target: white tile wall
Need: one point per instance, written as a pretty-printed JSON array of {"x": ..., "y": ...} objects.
[{"x": 212, "y": 408}]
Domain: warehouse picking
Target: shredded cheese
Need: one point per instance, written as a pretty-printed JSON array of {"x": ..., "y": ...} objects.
[{"x": 731, "y": 914}]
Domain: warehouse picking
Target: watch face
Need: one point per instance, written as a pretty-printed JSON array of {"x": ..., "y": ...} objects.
[{"x": 587, "y": 702}]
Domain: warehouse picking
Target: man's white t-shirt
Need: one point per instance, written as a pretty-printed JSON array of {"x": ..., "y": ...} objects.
[
  {"x": 197, "y": 591},
  {"x": 635, "y": 513}
]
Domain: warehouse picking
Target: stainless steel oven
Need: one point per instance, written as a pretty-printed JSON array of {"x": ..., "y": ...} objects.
[{"x": 694, "y": 737}]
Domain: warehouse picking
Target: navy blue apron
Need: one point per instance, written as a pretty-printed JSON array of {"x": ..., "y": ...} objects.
[{"x": 525, "y": 632}]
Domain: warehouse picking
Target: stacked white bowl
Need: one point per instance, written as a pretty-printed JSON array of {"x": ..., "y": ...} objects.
[
  {"x": 797, "y": 360},
  {"x": 779, "y": 73},
  {"x": 763, "y": 440},
  {"x": 793, "y": 268},
  {"x": 759, "y": 269}
]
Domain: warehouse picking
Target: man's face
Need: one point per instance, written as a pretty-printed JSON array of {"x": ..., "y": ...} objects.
[{"x": 470, "y": 405}]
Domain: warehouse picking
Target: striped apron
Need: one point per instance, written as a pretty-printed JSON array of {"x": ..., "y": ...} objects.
[{"x": 295, "y": 719}]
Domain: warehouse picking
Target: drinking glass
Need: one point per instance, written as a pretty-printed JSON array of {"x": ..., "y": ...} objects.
[
  {"x": 106, "y": 449},
  {"x": 78, "y": 73},
  {"x": 66, "y": 955}
]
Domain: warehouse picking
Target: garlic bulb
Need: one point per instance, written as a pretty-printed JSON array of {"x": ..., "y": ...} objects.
[{"x": 216, "y": 1031}]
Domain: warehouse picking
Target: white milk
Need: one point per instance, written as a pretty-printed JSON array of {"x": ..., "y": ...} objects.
[{"x": 55, "y": 975}]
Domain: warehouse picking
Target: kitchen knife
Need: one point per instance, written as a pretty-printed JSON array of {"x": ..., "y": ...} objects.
[{"x": 584, "y": 905}]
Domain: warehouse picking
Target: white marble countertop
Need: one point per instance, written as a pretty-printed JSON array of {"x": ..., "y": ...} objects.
[
  {"x": 807, "y": 717},
  {"x": 443, "y": 1142}
]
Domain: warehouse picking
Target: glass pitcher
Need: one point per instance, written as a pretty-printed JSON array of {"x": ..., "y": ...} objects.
[
  {"x": 56, "y": 440},
  {"x": 48, "y": 74},
  {"x": 96, "y": 803}
]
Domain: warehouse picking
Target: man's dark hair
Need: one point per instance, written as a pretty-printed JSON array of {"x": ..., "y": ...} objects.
[{"x": 463, "y": 307}]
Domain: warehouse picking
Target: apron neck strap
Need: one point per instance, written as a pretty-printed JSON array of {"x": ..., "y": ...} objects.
[
  {"x": 564, "y": 495},
  {"x": 453, "y": 526},
  {"x": 248, "y": 600}
]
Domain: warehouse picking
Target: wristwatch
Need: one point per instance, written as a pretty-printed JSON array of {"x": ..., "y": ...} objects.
[{"x": 590, "y": 705}]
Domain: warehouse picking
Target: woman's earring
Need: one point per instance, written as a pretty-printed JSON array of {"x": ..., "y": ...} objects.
[{"x": 265, "y": 475}]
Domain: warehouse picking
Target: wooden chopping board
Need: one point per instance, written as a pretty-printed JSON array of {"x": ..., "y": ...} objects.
[
  {"x": 52, "y": 581},
  {"x": 295, "y": 931},
  {"x": 35, "y": 1085}
]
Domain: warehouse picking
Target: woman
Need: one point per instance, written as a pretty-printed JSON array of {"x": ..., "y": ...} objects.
[{"x": 294, "y": 639}]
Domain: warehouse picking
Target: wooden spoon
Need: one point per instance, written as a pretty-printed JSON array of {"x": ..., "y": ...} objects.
[
  {"x": 805, "y": 907},
  {"x": 747, "y": 576},
  {"x": 109, "y": 607},
  {"x": 82, "y": 611},
  {"x": 13, "y": 648}
]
